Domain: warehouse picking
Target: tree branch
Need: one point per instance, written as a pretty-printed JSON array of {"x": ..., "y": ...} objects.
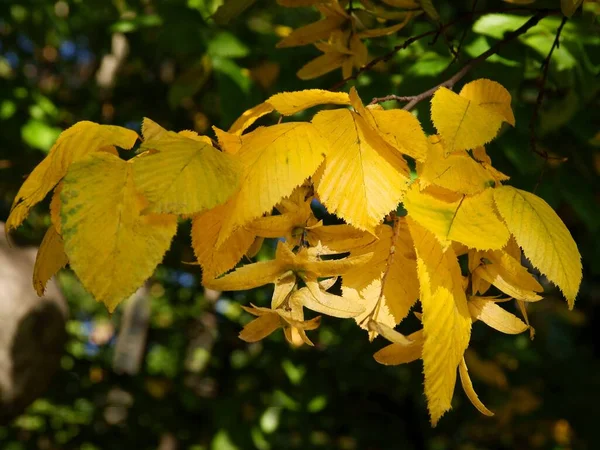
[
  {"x": 450, "y": 82},
  {"x": 435, "y": 32},
  {"x": 539, "y": 101}
]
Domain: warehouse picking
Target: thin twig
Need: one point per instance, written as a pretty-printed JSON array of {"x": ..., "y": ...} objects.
[
  {"x": 450, "y": 82},
  {"x": 435, "y": 32},
  {"x": 539, "y": 101},
  {"x": 390, "y": 97},
  {"x": 461, "y": 41}
]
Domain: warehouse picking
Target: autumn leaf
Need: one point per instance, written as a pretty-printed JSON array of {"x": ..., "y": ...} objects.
[
  {"x": 473, "y": 117},
  {"x": 398, "y": 128},
  {"x": 288, "y": 103},
  {"x": 363, "y": 178},
  {"x": 49, "y": 260},
  {"x": 305, "y": 264},
  {"x": 72, "y": 145},
  {"x": 490, "y": 313},
  {"x": 472, "y": 220},
  {"x": 446, "y": 318},
  {"x": 268, "y": 320},
  {"x": 112, "y": 247},
  {"x": 470, "y": 391},
  {"x": 401, "y": 288},
  {"x": 206, "y": 228},
  {"x": 395, "y": 353},
  {"x": 544, "y": 238},
  {"x": 508, "y": 275},
  {"x": 457, "y": 171},
  {"x": 182, "y": 173},
  {"x": 274, "y": 160},
  {"x": 249, "y": 117}
]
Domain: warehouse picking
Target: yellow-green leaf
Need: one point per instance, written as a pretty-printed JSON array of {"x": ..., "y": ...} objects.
[
  {"x": 471, "y": 221},
  {"x": 446, "y": 318},
  {"x": 111, "y": 246},
  {"x": 183, "y": 174},
  {"x": 72, "y": 145},
  {"x": 363, "y": 178},
  {"x": 544, "y": 238}
]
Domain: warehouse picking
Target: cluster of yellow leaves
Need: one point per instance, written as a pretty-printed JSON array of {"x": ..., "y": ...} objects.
[
  {"x": 339, "y": 34},
  {"x": 462, "y": 234}
]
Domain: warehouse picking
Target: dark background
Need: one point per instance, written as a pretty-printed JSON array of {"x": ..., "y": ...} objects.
[{"x": 199, "y": 386}]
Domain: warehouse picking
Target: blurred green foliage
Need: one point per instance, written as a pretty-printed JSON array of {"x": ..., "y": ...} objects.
[{"x": 200, "y": 387}]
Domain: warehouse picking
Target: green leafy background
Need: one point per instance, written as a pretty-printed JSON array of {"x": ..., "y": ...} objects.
[{"x": 199, "y": 386}]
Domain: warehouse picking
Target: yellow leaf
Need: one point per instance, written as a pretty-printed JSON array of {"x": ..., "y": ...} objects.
[
  {"x": 375, "y": 310},
  {"x": 470, "y": 391},
  {"x": 72, "y": 145},
  {"x": 111, "y": 246},
  {"x": 486, "y": 310},
  {"x": 401, "y": 288},
  {"x": 398, "y": 128},
  {"x": 363, "y": 178},
  {"x": 55, "y": 208},
  {"x": 229, "y": 142},
  {"x": 568, "y": 7},
  {"x": 274, "y": 160},
  {"x": 50, "y": 259},
  {"x": 395, "y": 354},
  {"x": 308, "y": 265},
  {"x": 332, "y": 305},
  {"x": 457, "y": 172},
  {"x": 491, "y": 96},
  {"x": 249, "y": 117},
  {"x": 471, "y": 120},
  {"x": 338, "y": 238},
  {"x": 446, "y": 318},
  {"x": 183, "y": 175},
  {"x": 386, "y": 31},
  {"x": 260, "y": 328},
  {"x": 403, "y": 131},
  {"x": 471, "y": 221},
  {"x": 544, "y": 238},
  {"x": 321, "y": 65},
  {"x": 288, "y": 103},
  {"x": 206, "y": 227},
  {"x": 508, "y": 275},
  {"x": 312, "y": 32}
]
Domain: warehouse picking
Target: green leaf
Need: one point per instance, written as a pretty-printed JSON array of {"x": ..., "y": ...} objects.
[{"x": 40, "y": 135}]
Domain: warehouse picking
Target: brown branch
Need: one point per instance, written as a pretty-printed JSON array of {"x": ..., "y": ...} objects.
[
  {"x": 450, "y": 82},
  {"x": 435, "y": 32},
  {"x": 539, "y": 101}
]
